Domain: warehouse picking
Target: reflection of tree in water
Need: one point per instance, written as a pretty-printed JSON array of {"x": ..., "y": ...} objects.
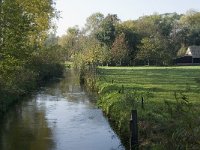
[
  {"x": 70, "y": 84},
  {"x": 26, "y": 129},
  {"x": 69, "y": 88}
]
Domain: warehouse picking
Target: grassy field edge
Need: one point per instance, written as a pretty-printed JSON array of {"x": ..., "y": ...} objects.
[{"x": 169, "y": 118}]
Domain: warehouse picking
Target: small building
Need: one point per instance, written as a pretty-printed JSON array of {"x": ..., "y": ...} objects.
[{"x": 191, "y": 57}]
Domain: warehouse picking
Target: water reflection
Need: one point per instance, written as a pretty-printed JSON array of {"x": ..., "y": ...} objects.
[
  {"x": 59, "y": 117},
  {"x": 25, "y": 128}
]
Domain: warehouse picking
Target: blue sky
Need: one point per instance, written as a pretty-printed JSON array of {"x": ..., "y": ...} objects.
[{"x": 75, "y": 12}]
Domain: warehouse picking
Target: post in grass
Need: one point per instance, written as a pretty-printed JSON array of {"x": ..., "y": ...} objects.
[{"x": 134, "y": 131}]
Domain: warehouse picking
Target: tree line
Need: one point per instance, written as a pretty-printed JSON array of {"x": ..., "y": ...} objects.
[
  {"x": 150, "y": 40},
  {"x": 27, "y": 58}
]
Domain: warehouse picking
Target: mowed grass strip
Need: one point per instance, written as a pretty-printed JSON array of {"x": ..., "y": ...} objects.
[
  {"x": 162, "y": 82},
  {"x": 170, "y": 117}
]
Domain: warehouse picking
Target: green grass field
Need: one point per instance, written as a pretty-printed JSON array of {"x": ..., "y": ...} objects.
[
  {"x": 162, "y": 82},
  {"x": 170, "y": 118}
]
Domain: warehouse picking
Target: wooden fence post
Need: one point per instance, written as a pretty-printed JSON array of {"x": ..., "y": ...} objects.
[
  {"x": 134, "y": 131},
  {"x": 142, "y": 103}
]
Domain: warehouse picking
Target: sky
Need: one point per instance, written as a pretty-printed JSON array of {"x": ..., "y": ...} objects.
[{"x": 75, "y": 12}]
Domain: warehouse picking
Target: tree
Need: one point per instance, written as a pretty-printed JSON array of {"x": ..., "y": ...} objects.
[
  {"x": 148, "y": 25},
  {"x": 119, "y": 49},
  {"x": 132, "y": 38},
  {"x": 150, "y": 50},
  {"x": 71, "y": 41},
  {"x": 106, "y": 32},
  {"x": 41, "y": 14},
  {"x": 24, "y": 26},
  {"x": 51, "y": 40},
  {"x": 189, "y": 28},
  {"x": 15, "y": 27},
  {"x": 93, "y": 23}
]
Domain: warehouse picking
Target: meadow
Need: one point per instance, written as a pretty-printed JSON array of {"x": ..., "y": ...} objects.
[{"x": 169, "y": 117}]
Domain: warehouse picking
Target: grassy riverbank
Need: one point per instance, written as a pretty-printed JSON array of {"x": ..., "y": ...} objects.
[{"x": 170, "y": 115}]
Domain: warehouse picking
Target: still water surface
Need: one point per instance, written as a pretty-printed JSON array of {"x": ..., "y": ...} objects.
[{"x": 59, "y": 117}]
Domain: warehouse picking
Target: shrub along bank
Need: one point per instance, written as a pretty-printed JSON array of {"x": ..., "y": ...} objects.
[
  {"x": 169, "y": 118},
  {"x": 19, "y": 78}
]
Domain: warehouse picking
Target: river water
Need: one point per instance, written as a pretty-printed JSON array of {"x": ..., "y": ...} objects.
[{"x": 58, "y": 117}]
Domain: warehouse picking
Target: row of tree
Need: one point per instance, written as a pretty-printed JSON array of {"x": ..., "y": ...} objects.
[
  {"x": 26, "y": 58},
  {"x": 150, "y": 40}
]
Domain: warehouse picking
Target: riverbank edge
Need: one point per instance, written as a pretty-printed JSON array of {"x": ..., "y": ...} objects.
[
  {"x": 154, "y": 121},
  {"x": 90, "y": 79},
  {"x": 8, "y": 101}
]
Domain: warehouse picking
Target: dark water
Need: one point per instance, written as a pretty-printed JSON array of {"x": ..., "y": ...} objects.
[{"x": 59, "y": 117}]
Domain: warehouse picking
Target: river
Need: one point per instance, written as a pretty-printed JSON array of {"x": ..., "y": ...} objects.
[{"x": 60, "y": 116}]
